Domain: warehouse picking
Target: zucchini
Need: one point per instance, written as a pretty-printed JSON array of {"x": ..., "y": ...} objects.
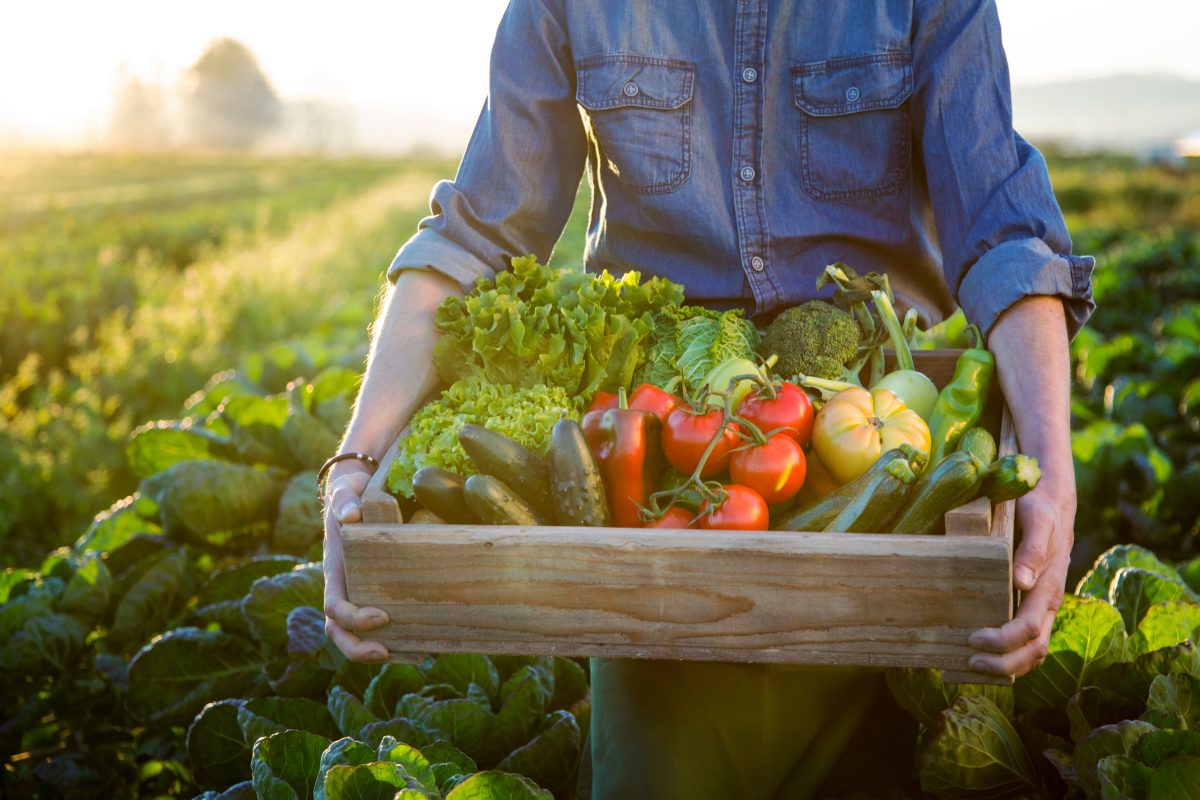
[
  {"x": 874, "y": 506},
  {"x": 817, "y": 516},
  {"x": 578, "y": 489},
  {"x": 511, "y": 462},
  {"x": 441, "y": 491},
  {"x": 979, "y": 442},
  {"x": 1011, "y": 477},
  {"x": 495, "y": 503},
  {"x": 956, "y": 480}
]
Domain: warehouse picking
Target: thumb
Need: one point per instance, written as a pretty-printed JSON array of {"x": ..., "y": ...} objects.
[
  {"x": 1037, "y": 528},
  {"x": 347, "y": 508}
]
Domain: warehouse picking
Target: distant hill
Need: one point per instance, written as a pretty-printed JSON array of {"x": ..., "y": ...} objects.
[{"x": 1128, "y": 112}]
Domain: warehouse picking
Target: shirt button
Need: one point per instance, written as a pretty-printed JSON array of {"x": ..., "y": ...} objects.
[
  {"x": 852, "y": 93},
  {"x": 757, "y": 264},
  {"x": 749, "y": 74},
  {"x": 631, "y": 89},
  {"x": 747, "y": 174}
]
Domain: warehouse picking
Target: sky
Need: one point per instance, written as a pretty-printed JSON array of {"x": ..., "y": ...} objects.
[{"x": 417, "y": 71}]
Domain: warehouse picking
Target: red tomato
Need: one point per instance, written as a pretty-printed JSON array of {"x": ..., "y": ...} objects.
[
  {"x": 776, "y": 469},
  {"x": 603, "y": 401},
  {"x": 649, "y": 397},
  {"x": 743, "y": 510},
  {"x": 686, "y": 435},
  {"x": 790, "y": 408},
  {"x": 676, "y": 518}
]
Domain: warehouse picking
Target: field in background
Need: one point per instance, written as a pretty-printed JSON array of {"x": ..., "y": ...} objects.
[{"x": 128, "y": 281}]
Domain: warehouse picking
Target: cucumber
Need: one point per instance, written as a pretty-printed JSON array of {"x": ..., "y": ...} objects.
[
  {"x": 1011, "y": 477},
  {"x": 511, "y": 462},
  {"x": 495, "y": 503},
  {"x": 817, "y": 516},
  {"x": 979, "y": 442},
  {"x": 956, "y": 480},
  {"x": 873, "y": 508},
  {"x": 441, "y": 491},
  {"x": 578, "y": 489}
]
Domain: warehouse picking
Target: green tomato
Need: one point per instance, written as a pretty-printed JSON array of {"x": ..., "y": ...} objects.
[
  {"x": 720, "y": 379},
  {"x": 913, "y": 388}
]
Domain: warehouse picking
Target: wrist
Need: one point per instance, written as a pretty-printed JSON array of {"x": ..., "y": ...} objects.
[{"x": 366, "y": 464}]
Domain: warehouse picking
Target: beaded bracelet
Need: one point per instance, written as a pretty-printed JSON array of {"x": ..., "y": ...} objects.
[{"x": 370, "y": 461}]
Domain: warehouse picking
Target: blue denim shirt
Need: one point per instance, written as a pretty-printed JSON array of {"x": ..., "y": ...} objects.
[{"x": 739, "y": 147}]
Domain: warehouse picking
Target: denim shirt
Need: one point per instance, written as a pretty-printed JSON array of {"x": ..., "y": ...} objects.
[{"x": 738, "y": 147}]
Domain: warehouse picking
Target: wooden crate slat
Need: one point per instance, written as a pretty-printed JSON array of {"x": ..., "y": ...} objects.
[{"x": 876, "y": 600}]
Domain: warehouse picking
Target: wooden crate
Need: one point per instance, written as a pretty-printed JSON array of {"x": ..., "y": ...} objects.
[{"x": 771, "y": 596}]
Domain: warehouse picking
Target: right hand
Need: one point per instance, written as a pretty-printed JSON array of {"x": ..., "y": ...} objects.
[{"x": 344, "y": 621}]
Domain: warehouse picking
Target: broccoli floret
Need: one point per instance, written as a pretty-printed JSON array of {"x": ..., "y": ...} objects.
[{"x": 816, "y": 339}]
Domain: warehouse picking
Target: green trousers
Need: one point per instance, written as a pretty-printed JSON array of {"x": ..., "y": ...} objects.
[{"x": 675, "y": 730}]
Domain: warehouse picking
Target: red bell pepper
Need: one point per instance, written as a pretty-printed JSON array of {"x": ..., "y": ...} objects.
[
  {"x": 649, "y": 397},
  {"x": 602, "y": 401},
  {"x": 626, "y": 443}
]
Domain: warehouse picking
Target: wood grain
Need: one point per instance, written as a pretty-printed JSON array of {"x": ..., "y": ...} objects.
[
  {"x": 697, "y": 595},
  {"x": 378, "y": 505}
]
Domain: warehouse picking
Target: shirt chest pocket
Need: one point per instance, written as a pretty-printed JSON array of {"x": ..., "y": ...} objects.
[
  {"x": 639, "y": 109},
  {"x": 854, "y": 125}
]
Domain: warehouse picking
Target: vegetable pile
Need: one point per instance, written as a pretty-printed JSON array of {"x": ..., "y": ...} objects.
[{"x": 714, "y": 438}]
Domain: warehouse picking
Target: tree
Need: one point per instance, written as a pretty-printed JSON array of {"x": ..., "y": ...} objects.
[
  {"x": 228, "y": 102},
  {"x": 139, "y": 116}
]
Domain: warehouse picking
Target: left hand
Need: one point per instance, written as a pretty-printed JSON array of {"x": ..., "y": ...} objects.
[{"x": 1046, "y": 517}]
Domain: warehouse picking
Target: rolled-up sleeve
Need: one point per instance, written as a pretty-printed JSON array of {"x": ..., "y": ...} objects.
[
  {"x": 1002, "y": 232},
  {"x": 517, "y": 180}
]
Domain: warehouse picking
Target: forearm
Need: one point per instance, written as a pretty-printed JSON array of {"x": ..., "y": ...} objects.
[
  {"x": 1033, "y": 362},
  {"x": 400, "y": 372}
]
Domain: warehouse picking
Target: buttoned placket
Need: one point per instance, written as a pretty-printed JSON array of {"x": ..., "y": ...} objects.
[{"x": 748, "y": 202}]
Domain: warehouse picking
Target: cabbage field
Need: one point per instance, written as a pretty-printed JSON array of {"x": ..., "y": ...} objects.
[{"x": 182, "y": 342}]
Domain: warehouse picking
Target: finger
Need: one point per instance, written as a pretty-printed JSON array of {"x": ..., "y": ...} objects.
[
  {"x": 353, "y": 647},
  {"x": 1019, "y": 661},
  {"x": 352, "y": 617},
  {"x": 1029, "y": 622},
  {"x": 1037, "y": 531},
  {"x": 1012, "y": 635}
]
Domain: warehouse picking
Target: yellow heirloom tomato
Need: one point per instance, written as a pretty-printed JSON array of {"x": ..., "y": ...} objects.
[{"x": 856, "y": 427}]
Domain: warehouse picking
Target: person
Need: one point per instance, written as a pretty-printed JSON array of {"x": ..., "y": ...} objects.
[{"x": 739, "y": 148}]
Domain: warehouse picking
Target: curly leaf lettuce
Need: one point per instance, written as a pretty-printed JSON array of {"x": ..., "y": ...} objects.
[
  {"x": 525, "y": 415},
  {"x": 535, "y": 325}
]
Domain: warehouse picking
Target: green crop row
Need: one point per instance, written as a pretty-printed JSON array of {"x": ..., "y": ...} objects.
[{"x": 63, "y": 428}]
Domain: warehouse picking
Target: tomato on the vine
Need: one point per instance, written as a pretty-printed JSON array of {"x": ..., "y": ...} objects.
[
  {"x": 743, "y": 510},
  {"x": 775, "y": 469},
  {"x": 676, "y": 517},
  {"x": 789, "y": 409},
  {"x": 686, "y": 435}
]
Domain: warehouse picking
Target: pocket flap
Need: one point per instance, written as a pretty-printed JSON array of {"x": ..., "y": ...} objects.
[
  {"x": 623, "y": 81},
  {"x": 850, "y": 85}
]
